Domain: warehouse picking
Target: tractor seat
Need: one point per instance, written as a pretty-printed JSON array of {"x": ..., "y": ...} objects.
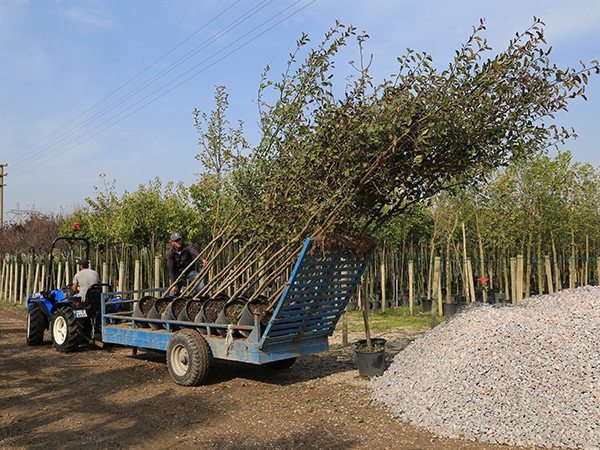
[{"x": 92, "y": 296}]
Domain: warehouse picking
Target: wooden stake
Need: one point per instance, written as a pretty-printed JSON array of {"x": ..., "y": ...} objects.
[
  {"x": 513, "y": 280},
  {"x": 156, "y": 272},
  {"x": 557, "y": 282},
  {"x": 470, "y": 279},
  {"x": 411, "y": 294},
  {"x": 585, "y": 276},
  {"x": 468, "y": 293},
  {"x": 136, "y": 279},
  {"x": 59, "y": 277},
  {"x": 43, "y": 280},
  {"x": 436, "y": 295},
  {"x": 383, "y": 293},
  {"x": 520, "y": 273},
  {"x": 122, "y": 282},
  {"x": 36, "y": 279}
]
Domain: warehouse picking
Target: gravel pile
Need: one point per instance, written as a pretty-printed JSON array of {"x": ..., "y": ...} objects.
[{"x": 522, "y": 375}]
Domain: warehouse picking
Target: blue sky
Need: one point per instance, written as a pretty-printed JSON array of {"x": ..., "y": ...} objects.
[{"x": 84, "y": 89}]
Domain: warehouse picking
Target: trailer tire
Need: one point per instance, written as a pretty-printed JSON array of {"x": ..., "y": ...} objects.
[
  {"x": 37, "y": 323},
  {"x": 281, "y": 364},
  {"x": 66, "y": 330},
  {"x": 188, "y": 357}
]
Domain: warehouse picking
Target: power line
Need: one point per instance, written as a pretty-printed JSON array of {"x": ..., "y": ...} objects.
[
  {"x": 70, "y": 135},
  {"x": 101, "y": 130},
  {"x": 25, "y": 154}
]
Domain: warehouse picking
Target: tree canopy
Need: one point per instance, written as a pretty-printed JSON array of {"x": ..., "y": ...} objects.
[{"x": 347, "y": 165}]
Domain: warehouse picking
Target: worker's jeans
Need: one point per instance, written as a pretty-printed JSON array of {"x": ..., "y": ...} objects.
[{"x": 189, "y": 278}]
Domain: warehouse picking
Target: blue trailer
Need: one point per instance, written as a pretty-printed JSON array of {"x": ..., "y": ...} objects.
[{"x": 306, "y": 314}]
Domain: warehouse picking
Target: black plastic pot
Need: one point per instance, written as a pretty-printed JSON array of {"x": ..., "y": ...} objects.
[
  {"x": 370, "y": 363},
  {"x": 210, "y": 311},
  {"x": 228, "y": 314},
  {"x": 426, "y": 304},
  {"x": 351, "y": 306},
  {"x": 256, "y": 306},
  {"x": 159, "y": 307},
  {"x": 499, "y": 297},
  {"x": 191, "y": 309},
  {"x": 142, "y": 308},
  {"x": 460, "y": 299},
  {"x": 449, "y": 309},
  {"x": 173, "y": 310}
]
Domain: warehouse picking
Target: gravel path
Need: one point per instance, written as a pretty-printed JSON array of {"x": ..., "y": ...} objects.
[{"x": 523, "y": 375}]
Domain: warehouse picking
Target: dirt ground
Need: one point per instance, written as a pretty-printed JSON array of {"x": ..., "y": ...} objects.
[{"x": 110, "y": 399}]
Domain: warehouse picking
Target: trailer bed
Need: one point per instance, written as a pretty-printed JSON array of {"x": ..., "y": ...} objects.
[{"x": 314, "y": 298}]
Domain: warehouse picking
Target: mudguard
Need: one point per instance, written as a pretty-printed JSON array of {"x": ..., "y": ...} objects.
[
  {"x": 42, "y": 302},
  {"x": 47, "y": 301}
]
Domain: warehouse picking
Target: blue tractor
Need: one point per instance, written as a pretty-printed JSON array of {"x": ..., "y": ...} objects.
[{"x": 71, "y": 320}]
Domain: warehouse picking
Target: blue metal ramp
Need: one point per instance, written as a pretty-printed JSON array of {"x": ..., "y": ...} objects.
[{"x": 315, "y": 297}]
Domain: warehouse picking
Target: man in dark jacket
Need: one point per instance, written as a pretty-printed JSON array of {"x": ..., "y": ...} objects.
[{"x": 180, "y": 256}]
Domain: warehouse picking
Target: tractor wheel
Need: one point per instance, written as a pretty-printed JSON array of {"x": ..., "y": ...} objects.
[
  {"x": 66, "y": 330},
  {"x": 37, "y": 323},
  {"x": 281, "y": 364},
  {"x": 188, "y": 357}
]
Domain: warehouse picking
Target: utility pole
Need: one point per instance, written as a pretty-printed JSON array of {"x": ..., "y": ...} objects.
[{"x": 2, "y": 174}]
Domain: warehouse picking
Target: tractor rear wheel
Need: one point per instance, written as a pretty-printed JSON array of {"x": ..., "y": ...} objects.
[
  {"x": 37, "y": 323},
  {"x": 188, "y": 357},
  {"x": 66, "y": 330}
]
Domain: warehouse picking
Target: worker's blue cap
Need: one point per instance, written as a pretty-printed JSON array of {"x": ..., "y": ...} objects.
[{"x": 175, "y": 236}]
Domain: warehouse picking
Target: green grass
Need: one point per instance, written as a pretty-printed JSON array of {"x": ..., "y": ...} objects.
[
  {"x": 9, "y": 303},
  {"x": 391, "y": 318}
]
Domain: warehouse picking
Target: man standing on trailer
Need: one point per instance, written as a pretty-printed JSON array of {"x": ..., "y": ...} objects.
[{"x": 180, "y": 259}]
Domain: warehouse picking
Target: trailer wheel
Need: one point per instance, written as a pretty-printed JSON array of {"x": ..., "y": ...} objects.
[
  {"x": 188, "y": 357},
  {"x": 37, "y": 323},
  {"x": 281, "y": 364},
  {"x": 66, "y": 330}
]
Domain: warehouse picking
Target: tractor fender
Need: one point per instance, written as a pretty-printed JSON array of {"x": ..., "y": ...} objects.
[
  {"x": 57, "y": 305},
  {"x": 44, "y": 305}
]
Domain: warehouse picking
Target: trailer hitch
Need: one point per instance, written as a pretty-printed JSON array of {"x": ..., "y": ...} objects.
[{"x": 91, "y": 341}]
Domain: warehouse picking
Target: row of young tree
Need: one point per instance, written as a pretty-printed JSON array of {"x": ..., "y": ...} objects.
[
  {"x": 544, "y": 207},
  {"x": 437, "y": 163}
]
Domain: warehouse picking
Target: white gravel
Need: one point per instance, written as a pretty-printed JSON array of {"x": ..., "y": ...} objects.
[{"x": 522, "y": 375}]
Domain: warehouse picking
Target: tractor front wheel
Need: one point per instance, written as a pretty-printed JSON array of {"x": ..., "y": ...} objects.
[
  {"x": 188, "y": 357},
  {"x": 66, "y": 330},
  {"x": 37, "y": 323}
]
